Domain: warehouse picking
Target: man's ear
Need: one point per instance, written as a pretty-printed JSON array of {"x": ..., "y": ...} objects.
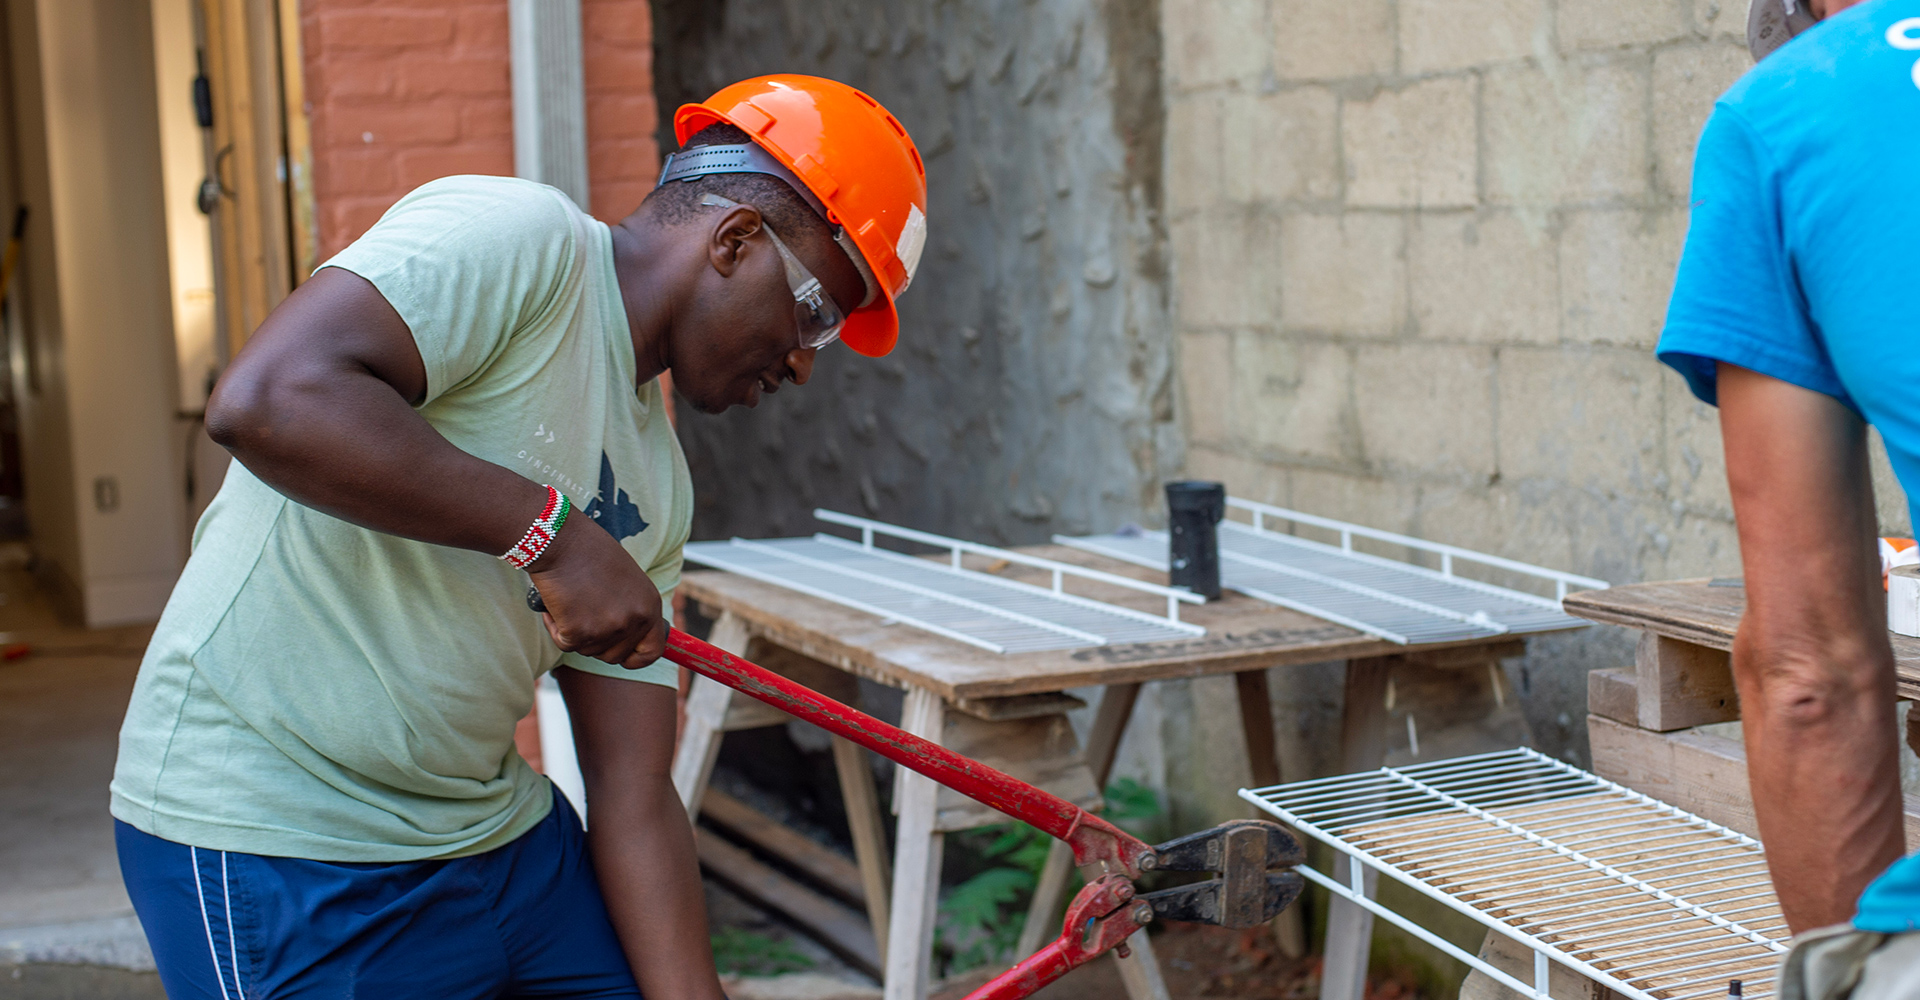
[{"x": 728, "y": 241}]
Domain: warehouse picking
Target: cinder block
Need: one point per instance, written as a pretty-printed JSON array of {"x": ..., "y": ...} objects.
[
  {"x": 1294, "y": 397},
  {"x": 1206, "y": 379},
  {"x": 1577, "y": 135},
  {"x": 1227, "y": 268},
  {"x": 1440, "y": 35},
  {"x": 1616, "y": 274},
  {"x": 1214, "y": 41},
  {"x": 1686, "y": 545},
  {"x": 1325, "y": 41},
  {"x": 1889, "y": 498},
  {"x": 1280, "y": 147},
  {"x": 1244, "y": 475},
  {"x": 1426, "y": 407},
  {"x": 1375, "y": 501},
  {"x": 1686, "y": 82},
  {"x": 1412, "y": 147},
  {"x": 1696, "y": 463},
  {"x": 1605, "y": 24},
  {"x": 1193, "y": 178},
  {"x": 1719, "y": 19},
  {"x": 1585, "y": 419},
  {"x": 1499, "y": 519},
  {"x": 1344, "y": 273},
  {"x": 1242, "y": 148},
  {"x": 1490, "y": 276}
]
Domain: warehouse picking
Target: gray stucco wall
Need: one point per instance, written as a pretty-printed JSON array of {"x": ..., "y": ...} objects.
[{"x": 1032, "y": 391}]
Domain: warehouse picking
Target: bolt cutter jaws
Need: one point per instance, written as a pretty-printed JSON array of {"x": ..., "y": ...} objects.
[
  {"x": 1266, "y": 845},
  {"x": 1248, "y": 892}
]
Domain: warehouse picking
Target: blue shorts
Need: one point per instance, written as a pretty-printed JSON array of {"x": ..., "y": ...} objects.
[{"x": 525, "y": 920}]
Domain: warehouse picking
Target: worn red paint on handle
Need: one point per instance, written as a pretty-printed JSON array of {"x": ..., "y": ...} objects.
[{"x": 1094, "y": 840}]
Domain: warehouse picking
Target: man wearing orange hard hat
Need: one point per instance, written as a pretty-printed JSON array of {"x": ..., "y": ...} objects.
[{"x": 317, "y": 791}]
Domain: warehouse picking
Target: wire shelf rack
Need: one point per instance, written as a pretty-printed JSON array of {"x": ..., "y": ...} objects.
[
  {"x": 980, "y": 609},
  {"x": 1653, "y": 902},
  {"x": 1393, "y": 600}
]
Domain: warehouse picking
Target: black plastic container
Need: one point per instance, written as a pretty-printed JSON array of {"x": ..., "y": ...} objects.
[{"x": 1194, "y": 510}]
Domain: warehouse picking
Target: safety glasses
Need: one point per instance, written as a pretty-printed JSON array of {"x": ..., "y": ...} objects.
[{"x": 814, "y": 311}]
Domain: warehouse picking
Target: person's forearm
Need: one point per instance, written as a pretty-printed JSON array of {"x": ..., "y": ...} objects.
[
  {"x": 347, "y": 444},
  {"x": 643, "y": 855},
  {"x": 1823, "y": 762},
  {"x": 1811, "y": 658}
]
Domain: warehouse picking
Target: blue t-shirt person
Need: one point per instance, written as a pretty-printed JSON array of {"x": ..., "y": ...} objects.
[{"x": 1802, "y": 259}]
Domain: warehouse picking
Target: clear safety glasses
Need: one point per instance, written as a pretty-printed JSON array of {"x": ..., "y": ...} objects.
[{"x": 814, "y": 311}]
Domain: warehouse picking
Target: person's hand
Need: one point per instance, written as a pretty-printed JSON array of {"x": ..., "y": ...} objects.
[{"x": 600, "y": 603}]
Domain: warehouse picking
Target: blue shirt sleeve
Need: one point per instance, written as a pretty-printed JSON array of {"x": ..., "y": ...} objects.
[{"x": 1735, "y": 297}]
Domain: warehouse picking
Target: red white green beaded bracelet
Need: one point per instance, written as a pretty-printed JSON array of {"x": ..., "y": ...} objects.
[{"x": 540, "y": 535}]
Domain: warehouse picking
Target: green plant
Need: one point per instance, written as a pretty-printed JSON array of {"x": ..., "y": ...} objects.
[
  {"x": 1132, "y": 806},
  {"x": 738, "y": 952},
  {"x": 980, "y": 917}
]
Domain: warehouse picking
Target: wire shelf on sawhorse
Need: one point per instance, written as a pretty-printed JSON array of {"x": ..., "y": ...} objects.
[
  {"x": 1650, "y": 901},
  {"x": 1392, "y": 599},
  {"x": 947, "y": 598}
]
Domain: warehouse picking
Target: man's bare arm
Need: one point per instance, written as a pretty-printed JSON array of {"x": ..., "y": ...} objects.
[
  {"x": 1811, "y": 660},
  {"x": 319, "y": 406},
  {"x": 639, "y": 835}
]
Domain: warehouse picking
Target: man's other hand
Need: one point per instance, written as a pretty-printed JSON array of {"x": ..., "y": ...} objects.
[{"x": 600, "y": 603}]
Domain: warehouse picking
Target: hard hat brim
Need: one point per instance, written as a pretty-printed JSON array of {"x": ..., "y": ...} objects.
[{"x": 874, "y": 330}]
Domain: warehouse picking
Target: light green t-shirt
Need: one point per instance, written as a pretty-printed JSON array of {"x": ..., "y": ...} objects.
[{"x": 320, "y": 690}]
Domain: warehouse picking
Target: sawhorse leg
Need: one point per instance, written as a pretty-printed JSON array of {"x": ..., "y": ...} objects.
[
  {"x": 1141, "y": 973},
  {"x": 1362, "y": 745},
  {"x": 1263, "y": 766},
  {"x": 867, "y": 823},
  {"x": 707, "y": 705},
  {"x": 917, "y": 853}
]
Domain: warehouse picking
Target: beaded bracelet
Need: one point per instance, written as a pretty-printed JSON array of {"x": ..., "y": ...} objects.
[{"x": 541, "y": 534}]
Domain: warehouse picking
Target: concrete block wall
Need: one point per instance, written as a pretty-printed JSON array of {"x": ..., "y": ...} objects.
[
  {"x": 1422, "y": 252},
  {"x": 400, "y": 94}
]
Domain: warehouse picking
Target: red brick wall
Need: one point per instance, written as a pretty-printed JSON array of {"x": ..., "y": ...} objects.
[{"x": 403, "y": 91}]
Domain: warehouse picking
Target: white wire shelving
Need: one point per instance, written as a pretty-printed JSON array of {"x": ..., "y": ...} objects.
[
  {"x": 1651, "y": 901},
  {"x": 1388, "y": 598},
  {"x": 947, "y": 598}
]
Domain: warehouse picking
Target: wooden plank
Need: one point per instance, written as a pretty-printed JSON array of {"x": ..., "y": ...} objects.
[
  {"x": 706, "y": 713},
  {"x": 304, "y": 231},
  {"x": 1042, "y": 752},
  {"x": 916, "y": 871},
  {"x": 1363, "y": 743},
  {"x": 1243, "y": 634},
  {"x": 1256, "y": 725},
  {"x": 1464, "y": 657},
  {"x": 1103, "y": 744},
  {"x": 1695, "y": 611},
  {"x": 1689, "y": 610},
  {"x": 1703, "y": 774},
  {"x": 868, "y": 825},
  {"x": 1680, "y": 685},
  {"x": 834, "y": 873},
  {"x": 1019, "y": 706},
  {"x": 1612, "y": 694},
  {"x": 833, "y": 925}
]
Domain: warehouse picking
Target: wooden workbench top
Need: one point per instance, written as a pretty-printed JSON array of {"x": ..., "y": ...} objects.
[
  {"x": 1242, "y": 634},
  {"x": 1706, "y": 613}
]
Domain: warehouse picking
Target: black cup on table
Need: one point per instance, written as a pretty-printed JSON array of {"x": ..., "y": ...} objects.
[{"x": 1194, "y": 510}]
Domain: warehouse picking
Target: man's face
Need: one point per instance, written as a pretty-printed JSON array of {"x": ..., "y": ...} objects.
[{"x": 739, "y": 338}]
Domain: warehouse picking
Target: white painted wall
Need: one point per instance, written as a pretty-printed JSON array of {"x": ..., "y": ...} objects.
[{"x": 105, "y": 462}]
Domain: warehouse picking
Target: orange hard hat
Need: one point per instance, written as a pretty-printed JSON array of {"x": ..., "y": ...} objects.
[{"x": 856, "y": 160}]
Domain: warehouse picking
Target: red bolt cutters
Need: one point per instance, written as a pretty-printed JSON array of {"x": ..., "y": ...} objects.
[{"x": 1251, "y": 857}]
